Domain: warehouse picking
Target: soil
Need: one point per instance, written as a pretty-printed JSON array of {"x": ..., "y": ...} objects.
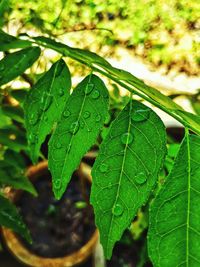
[{"x": 58, "y": 228}]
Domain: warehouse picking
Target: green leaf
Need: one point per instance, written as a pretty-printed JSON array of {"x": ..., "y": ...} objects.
[
  {"x": 15, "y": 159},
  {"x": 19, "y": 95},
  {"x": 124, "y": 79},
  {"x": 14, "y": 177},
  {"x": 10, "y": 218},
  {"x": 44, "y": 105},
  {"x": 4, "y": 121},
  {"x": 8, "y": 41},
  {"x": 14, "y": 112},
  {"x": 174, "y": 228},
  {"x": 81, "y": 121},
  {"x": 15, "y": 64},
  {"x": 126, "y": 170},
  {"x": 13, "y": 138},
  {"x": 190, "y": 118},
  {"x": 4, "y": 6}
]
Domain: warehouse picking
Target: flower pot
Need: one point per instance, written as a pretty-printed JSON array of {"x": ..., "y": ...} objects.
[{"x": 28, "y": 256}]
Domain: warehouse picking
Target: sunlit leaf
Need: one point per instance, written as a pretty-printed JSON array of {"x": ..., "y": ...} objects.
[
  {"x": 10, "y": 42},
  {"x": 174, "y": 228},
  {"x": 126, "y": 170},
  {"x": 81, "y": 121},
  {"x": 15, "y": 64},
  {"x": 44, "y": 104}
]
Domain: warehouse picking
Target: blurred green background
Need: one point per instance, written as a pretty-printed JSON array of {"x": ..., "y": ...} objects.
[{"x": 163, "y": 33}]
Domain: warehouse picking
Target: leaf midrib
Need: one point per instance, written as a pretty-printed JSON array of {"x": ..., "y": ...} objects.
[
  {"x": 122, "y": 170},
  {"x": 72, "y": 137},
  {"x": 188, "y": 198}
]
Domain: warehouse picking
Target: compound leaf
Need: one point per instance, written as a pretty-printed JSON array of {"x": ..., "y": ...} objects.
[
  {"x": 81, "y": 121},
  {"x": 44, "y": 105},
  {"x": 10, "y": 218},
  {"x": 15, "y": 64},
  {"x": 174, "y": 230},
  {"x": 126, "y": 170}
]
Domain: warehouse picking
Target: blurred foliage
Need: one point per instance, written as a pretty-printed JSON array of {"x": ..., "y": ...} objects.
[{"x": 162, "y": 32}]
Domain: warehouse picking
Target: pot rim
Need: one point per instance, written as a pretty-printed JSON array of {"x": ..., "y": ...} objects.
[{"x": 23, "y": 254}]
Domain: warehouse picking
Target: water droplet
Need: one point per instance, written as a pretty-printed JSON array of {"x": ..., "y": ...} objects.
[
  {"x": 140, "y": 114},
  {"x": 117, "y": 210},
  {"x": 103, "y": 167},
  {"x": 57, "y": 184},
  {"x": 89, "y": 88},
  {"x": 34, "y": 118},
  {"x": 74, "y": 127},
  {"x": 45, "y": 118},
  {"x": 82, "y": 124},
  {"x": 46, "y": 102},
  {"x": 95, "y": 94},
  {"x": 141, "y": 178},
  {"x": 127, "y": 138},
  {"x": 58, "y": 145},
  {"x": 86, "y": 114},
  {"x": 98, "y": 118},
  {"x": 32, "y": 138},
  {"x": 66, "y": 113},
  {"x": 61, "y": 92},
  {"x": 20, "y": 223}
]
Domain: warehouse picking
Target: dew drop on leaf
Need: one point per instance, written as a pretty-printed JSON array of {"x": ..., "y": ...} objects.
[
  {"x": 66, "y": 113},
  {"x": 57, "y": 184},
  {"x": 45, "y": 118},
  {"x": 47, "y": 103},
  {"x": 61, "y": 92},
  {"x": 32, "y": 138},
  {"x": 140, "y": 115},
  {"x": 98, "y": 118},
  {"x": 141, "y": 178},
  {"x": 74, "y": 127},
  {"x": 117, "y": 210},
  {"x": 89, "y": 88},
  {"x": 34, "y": 118},
  {"x": 95, "y": 94},
  {"x": 103, "y": 167},
  {"x": 86, "y": 114},
  {"x": 82, "y": 124},
  {"x": 58, "y": 145},
  {"x": 127, "y": 138}
]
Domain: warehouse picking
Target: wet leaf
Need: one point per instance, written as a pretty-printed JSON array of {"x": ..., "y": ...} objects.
[
  {"x": 44, "y": 104},
  {"x": 174, "y": 229},
  {"x": 126, "y": 170},
  {"x": 81, "y": 121}
]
